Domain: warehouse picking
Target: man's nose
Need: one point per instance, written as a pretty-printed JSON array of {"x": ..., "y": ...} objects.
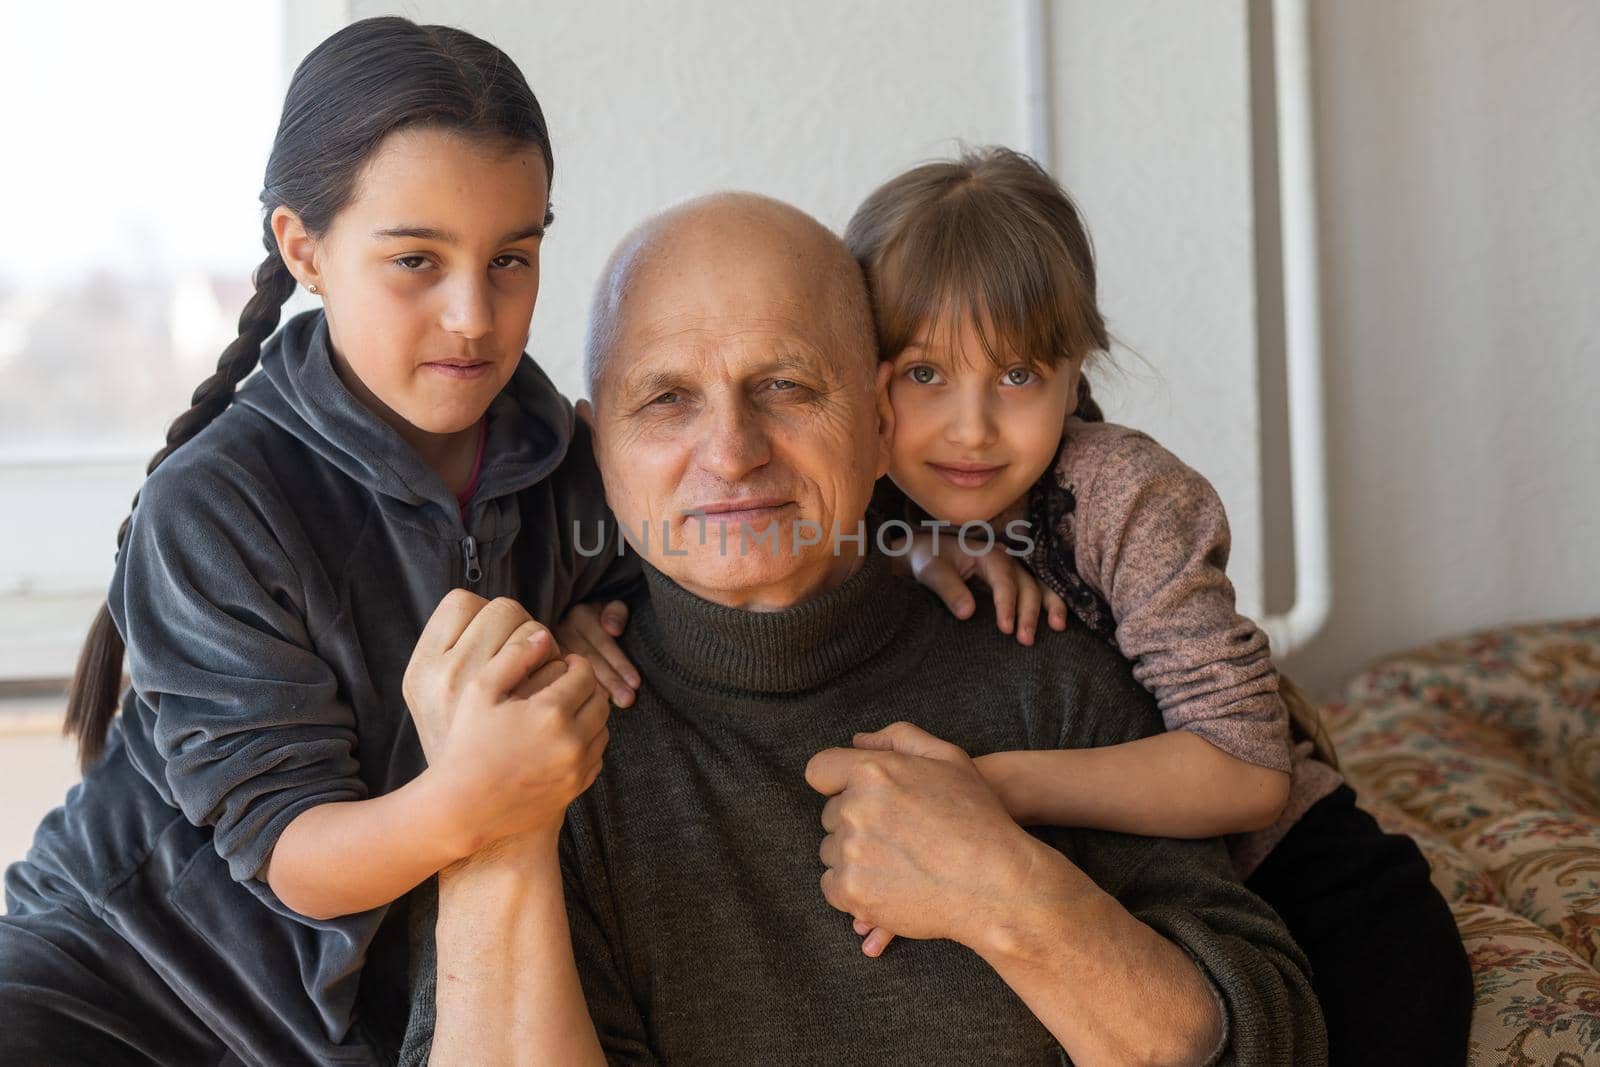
[
  {"x": 468, "y": 312},
  {"x": 735, "y": 441}
]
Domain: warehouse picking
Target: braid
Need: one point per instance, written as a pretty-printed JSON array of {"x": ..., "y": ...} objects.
[
  {"x": 92, "y": 700},
  {"x": 1088, "y": 410}
]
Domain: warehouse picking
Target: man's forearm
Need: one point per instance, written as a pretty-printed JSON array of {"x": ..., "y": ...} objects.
[
  {"x": 508, "y": 988},
  {"x": 1095, "y": 976}
]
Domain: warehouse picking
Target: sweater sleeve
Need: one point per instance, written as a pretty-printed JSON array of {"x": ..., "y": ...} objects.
[
  {"x": 1187, "y": 891},
  {"x": 247, "y": 719},
  {"x": 616, "y": 1016},
  {"x": 1152, "y": 537}
]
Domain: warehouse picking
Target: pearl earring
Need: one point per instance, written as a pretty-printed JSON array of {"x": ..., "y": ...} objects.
[{"x": 313, "y": 289}]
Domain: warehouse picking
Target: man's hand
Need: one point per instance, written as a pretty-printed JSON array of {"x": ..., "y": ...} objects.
[
  {"x": 916, "y": 842},
  {"x": 513, "y": 732}
]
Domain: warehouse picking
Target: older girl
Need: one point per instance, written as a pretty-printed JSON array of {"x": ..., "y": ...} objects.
[{"x": 219, "y": 887}]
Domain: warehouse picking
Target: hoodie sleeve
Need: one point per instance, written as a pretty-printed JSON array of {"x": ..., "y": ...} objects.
[{"x": 247, "y": 718}]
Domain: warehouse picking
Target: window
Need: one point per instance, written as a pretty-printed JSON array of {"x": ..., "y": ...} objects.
[{"x": 132, "y": 227}]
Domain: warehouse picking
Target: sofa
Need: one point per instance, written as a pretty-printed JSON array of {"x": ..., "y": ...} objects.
[{"x": 1485, "y": 749}]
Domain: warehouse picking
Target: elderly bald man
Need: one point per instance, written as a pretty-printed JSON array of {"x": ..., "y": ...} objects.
[{"x": 736, "y": 387}]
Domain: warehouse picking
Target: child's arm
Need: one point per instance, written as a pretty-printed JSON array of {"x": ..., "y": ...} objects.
[
  {"x": 1150, "y": 536},
  {"x": 512, "y": 732},
  {"x": 1174, "y": 784}
]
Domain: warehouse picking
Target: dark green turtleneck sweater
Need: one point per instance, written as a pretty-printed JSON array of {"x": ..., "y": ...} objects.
[{"x": 691, "y": 865}]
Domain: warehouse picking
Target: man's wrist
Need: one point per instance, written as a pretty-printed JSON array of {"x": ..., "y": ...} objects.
[{"x": 1047, "y": 897}]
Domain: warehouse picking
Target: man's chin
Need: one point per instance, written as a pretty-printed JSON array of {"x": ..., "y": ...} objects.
[{"x": 736, "y": 577}]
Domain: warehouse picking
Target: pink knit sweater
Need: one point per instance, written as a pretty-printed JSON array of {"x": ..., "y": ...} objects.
[{"x": 1148, "y": 535}]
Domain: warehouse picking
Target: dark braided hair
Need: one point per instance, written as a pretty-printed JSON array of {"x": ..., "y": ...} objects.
[{"x": 371, "y": 79}]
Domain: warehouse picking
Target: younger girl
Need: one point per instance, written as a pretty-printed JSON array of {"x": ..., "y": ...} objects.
[
  {"x": 983, "y": 287},
  {"x": 218, "y": 887}
]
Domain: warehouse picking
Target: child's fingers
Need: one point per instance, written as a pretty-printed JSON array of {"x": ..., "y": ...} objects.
[
  {"x": 861, "y": 927},
  {"x": 584, "y": 631},
  {"x": 516, "y": 660},
  {"x": 1004, "y": 583},
  {"x": 1029, "y": 599},
  {"x": 939, "y": 574},
  {"x": 1057, "y": 610},
  {"x": 614, "y": 617},
  {"x": 876, "y": 942}
]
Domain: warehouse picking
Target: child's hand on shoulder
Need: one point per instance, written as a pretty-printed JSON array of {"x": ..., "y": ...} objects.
[
  {"x": 592, "y": 631},
  {"x": 944, "y": 566}
]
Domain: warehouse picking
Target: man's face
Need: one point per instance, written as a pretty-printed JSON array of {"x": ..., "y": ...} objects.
[{"x": 733, "y": 436}]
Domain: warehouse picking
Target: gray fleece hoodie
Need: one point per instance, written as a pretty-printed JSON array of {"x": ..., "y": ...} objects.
[{"x": 275, "y": 578}]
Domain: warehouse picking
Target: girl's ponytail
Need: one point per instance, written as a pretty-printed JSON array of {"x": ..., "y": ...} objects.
[
  {"x": 97, "y": 681},
  {"x": 1088, "y": 409}
]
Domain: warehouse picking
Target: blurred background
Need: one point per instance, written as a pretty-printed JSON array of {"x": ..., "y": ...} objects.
[{"x": 1456, "y": 226}]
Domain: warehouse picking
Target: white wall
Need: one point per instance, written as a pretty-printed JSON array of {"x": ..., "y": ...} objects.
[{"x": 1459, "y": 169}]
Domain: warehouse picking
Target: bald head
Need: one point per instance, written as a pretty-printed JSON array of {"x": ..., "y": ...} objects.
[
  {"x": 736, "y": 388},
  {"x": 748, "y": 244}
]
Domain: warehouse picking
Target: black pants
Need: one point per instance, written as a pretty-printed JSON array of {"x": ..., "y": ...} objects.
[
  {"x": 1386, "y": 959},
  {"x": 75, "y": 993}
]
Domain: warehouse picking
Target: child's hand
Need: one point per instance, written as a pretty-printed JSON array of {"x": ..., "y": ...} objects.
[
  {"x": 592, "y": 631},
  {"x": 877, "y": 938},
  {"x": 513, "y": 731},
  {"x": 1018, "y": 595}
]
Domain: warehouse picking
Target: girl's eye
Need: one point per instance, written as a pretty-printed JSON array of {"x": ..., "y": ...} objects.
[
  {"x": 412, "y": 263},
  {"x": 922, "y": 375},
  {"x": 1019, "y": 376},
  {"x": 508, "y": 262}
]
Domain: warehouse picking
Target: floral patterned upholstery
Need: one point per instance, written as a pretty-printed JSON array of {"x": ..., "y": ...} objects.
[{"x": 1486, "y": 750}]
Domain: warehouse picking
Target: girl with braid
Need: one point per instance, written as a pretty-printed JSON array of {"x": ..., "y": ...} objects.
[
  {"x": 227, "y": 883},
  {"x": 983, "y": 287}
]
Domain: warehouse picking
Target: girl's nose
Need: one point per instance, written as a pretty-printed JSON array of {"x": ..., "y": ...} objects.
[
  {"x": 972, "y": 424},
  {"x": 468, "y": 312}
]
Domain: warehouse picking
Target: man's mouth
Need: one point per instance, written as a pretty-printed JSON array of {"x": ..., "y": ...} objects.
[
  {"x": 740, "y": 510},
  {"x": 965, "y": 475}
]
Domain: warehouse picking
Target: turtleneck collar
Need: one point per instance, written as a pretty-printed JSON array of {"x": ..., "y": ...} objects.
[
  {"x": 791, "y": 650},
  {"x": 530, "y": 423}
]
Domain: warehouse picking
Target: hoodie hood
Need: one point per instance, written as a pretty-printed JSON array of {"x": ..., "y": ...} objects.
[{"x": 298, "y": 389}]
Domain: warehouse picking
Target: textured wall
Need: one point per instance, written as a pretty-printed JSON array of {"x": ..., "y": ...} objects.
[{"x": 1459, "y": 170}]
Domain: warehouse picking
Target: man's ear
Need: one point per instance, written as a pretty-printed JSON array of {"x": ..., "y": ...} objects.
[
  {"x": 586, "y": 413},
  {"x": 297, "y": 247},
  {"x": 885, "y": 415}
]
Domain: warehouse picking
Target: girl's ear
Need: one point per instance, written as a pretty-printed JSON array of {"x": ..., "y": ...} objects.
[
  {"x": 297, "y": 248},
  {"x": 885, "y": 415}
]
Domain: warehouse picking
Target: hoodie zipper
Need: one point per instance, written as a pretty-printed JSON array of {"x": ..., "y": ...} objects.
[{"x": 469, "y": 557}]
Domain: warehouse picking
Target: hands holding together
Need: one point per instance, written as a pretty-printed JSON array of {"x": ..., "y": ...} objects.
[
  {"x": 513, "y": 730},
  {"x": 918, "y": 842}
]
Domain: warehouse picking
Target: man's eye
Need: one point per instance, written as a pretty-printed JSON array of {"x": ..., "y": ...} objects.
[
  {"x": 669, "y": 397},
  {"x": 922, "y": 375},
  {"x": 509, "y": 262},
  {"x": 1019, "y": 376},
  {"x": 781, "y": 384}
]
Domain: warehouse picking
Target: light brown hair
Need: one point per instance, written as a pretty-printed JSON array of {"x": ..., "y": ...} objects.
[{"x": 990, "y": 237}]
